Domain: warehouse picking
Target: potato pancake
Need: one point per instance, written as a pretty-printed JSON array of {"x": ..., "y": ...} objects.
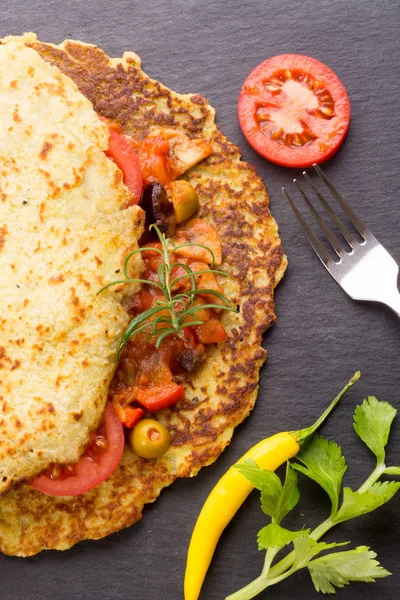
[
  {"x": 223, "y": 391},
  {"x": 63, "y": 235}
]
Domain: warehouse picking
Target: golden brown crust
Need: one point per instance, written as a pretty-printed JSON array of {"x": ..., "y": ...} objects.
[{"x": 224, "y": 390}]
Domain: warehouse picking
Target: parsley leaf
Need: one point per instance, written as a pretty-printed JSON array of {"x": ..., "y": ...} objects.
[
  {"x": 275, "y": 536},
  {"x": 372, "y": 422},
  {"x": 276, "y": 499},
  {"x": 305, "y": 548},
  {"x": 260, "y": 477},
  {"x": 340, "y": 568},
  {"x": 360, "y": 503},
  {"x": 290, "y": 494},
  {"x": 324, "y": 463}
]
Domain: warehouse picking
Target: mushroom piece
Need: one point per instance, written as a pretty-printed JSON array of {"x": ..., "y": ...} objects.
[{"x": 184, "y": 152}]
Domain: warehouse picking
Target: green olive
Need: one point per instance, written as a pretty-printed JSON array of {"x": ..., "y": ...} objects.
[{"x": 149, "y": 439}]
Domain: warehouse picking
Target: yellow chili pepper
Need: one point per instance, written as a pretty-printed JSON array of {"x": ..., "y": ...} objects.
[{"x": 232, "y": 490}]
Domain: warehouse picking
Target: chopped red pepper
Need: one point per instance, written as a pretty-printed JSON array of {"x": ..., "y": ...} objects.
[
  {"x": 158, "y": 397},
  {"x": 128, "y": 415}
]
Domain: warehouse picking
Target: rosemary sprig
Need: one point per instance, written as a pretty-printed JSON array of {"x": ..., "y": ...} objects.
[{"x": 174, "y": 311}]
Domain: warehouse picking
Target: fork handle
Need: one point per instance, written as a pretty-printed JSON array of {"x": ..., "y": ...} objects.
[{"x": 394, "y": 302}]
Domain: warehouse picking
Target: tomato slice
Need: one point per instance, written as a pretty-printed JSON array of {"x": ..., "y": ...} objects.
[
  {"x": 124, "y": 156},
  {"x": 294, "y": 110},
  {"x": 96, "y": 465}
]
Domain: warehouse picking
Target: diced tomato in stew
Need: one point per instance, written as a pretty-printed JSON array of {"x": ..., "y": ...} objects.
[{"x": 150, "y": 378}]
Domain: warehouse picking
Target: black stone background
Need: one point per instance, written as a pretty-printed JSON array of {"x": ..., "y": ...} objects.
[{"x": 321, "y": 336}]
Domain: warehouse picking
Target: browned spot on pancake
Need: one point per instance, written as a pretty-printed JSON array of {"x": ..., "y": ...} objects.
[
  {"x": 55, "y": 190},
  {"x": 84, "y": 281},
  {"x": 42, "y": 208},
  {"x": 3, "y": 233},
  {"x": 74, "y": 297},
  {"x": 16, "y": 116},
  {"x": 5, "y": 407},
  {"x": 4, "y": 358},
  {"x": 59, "y": 279},
  {"x": 48, "y": 408},
  {"x": 42, "y": 329},
  {"x": 45, "y": 150}
]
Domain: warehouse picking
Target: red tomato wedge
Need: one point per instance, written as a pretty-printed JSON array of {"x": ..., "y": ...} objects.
[
  {"x": 294, "y": 110},
  {"x": 124, "y": 156},
  {"x": 96, "y": 465}
]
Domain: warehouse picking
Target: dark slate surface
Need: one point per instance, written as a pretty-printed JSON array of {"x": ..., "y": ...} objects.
[{"x": 320, "y": 338}]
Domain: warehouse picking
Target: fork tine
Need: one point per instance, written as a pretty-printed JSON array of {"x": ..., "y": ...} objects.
[
  {"x": 329, "y": 235},
  {"x": 356, "y": 221},
  {"x": 333, "y": 216},
  {"x": 312, "y": 238}
]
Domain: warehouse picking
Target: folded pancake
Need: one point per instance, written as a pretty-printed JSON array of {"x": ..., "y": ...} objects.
[
  {"x": 224, "y": 389},
  {"x": 65, "y": 227}
]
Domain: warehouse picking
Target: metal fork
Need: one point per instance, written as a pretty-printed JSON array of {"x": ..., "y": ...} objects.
[{"x": 366, "y": 271}]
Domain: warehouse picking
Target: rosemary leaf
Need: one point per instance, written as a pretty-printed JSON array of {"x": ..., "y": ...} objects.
[{"x": 175, "y": 308}]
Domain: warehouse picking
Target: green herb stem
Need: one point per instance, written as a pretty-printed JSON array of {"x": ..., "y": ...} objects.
[
  {"x": 304, "y": 434},
  {"x": 373, "y": 478},
  {"x": 260, "y": 583}
]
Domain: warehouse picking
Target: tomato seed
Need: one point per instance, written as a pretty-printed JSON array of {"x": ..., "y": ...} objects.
[
  {"x": 277, "y": 134},
  {"x": 327, "y": 110},
  {"x": 273, "y": 88}
]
